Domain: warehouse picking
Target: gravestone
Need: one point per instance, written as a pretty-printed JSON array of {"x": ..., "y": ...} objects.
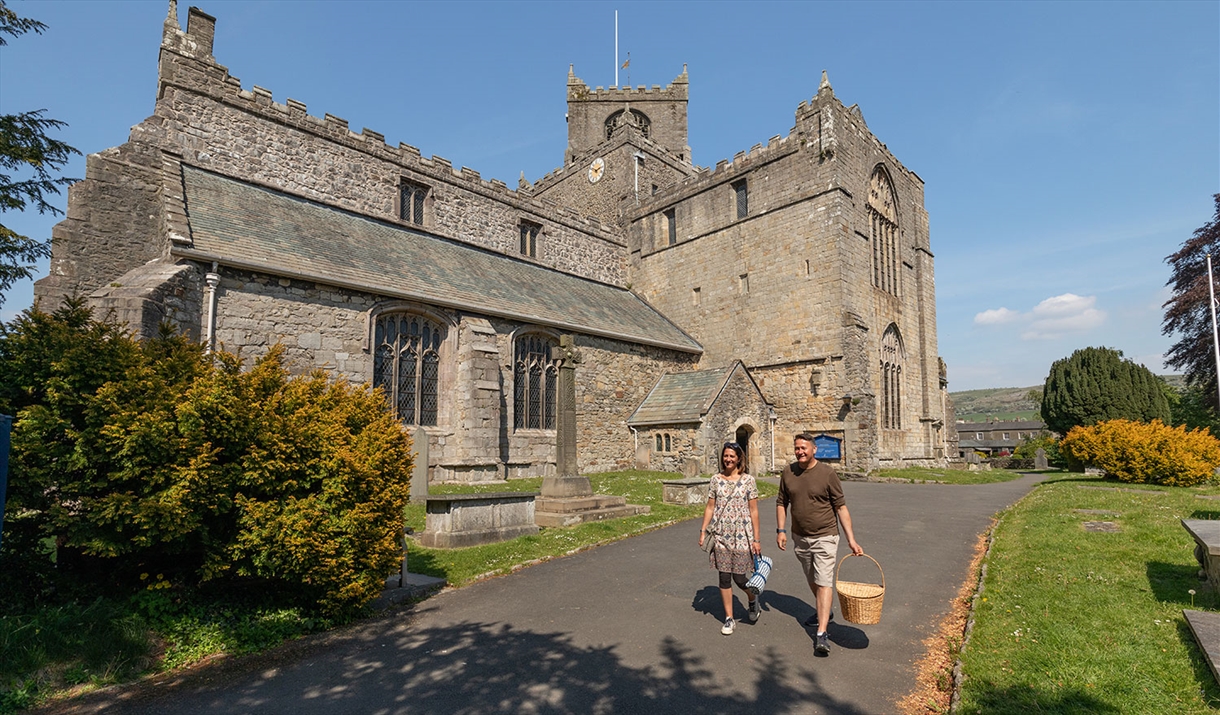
[
  {"x": 1040, "y": 461},
  {"x": 419, "y": 467},
  {"x": 690, "y": 467},
  {"x": 643, "y": 456},
  {"x": 972, "y": 458}
]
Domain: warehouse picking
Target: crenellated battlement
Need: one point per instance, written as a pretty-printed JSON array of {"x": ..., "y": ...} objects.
[
  {"x": 724, "y": 171},
  {"x": 196, "y": 70},
  {"x": 678, "y": 89}
]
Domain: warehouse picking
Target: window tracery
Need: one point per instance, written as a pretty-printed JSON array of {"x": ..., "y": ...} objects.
[
  {"x": 883, "y": 231},
  {"x": 535, "y": 382},
  {"x": 406, "y": 364}
]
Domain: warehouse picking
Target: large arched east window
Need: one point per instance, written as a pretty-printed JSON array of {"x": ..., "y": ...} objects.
[
  {"x": 892, "y": 360},
  {"x": 406, "y": 364},
  {"x": 883, "y": 231},
  {"x": 535, "y": 382}
]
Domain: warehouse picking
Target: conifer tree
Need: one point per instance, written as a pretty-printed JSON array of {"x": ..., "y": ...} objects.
[{"x": 1098, "y": 384}]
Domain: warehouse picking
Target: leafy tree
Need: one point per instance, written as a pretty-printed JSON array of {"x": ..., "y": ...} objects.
[
  {"x": 1190, "y": 406},
  {"x": 26, "y": 148},
  {"x": 1187, "y": 314},
  {"x": 1097, "y": 384},
  {"x": 149, "y": 457},
  {"x": 1028, "y": 449}
]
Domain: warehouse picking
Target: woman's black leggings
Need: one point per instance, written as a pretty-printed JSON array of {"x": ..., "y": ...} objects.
[{"x": 727, "y": 579}]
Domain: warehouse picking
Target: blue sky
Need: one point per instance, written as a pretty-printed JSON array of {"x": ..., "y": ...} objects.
[{"x": 1067, "y": 147}]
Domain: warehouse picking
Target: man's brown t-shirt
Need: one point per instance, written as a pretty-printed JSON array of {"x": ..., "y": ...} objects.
[{"x": 813, "y": 496}]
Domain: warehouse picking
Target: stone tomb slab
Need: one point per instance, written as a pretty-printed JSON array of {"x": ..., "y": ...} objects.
[
  {"x": 1105, "y": 527},
  {"x": 1206, "y": 629},
  {"x": 684, "y": 492},
  {"x": 1096, "y": 512},
  {"x": 456, "y": 520}
]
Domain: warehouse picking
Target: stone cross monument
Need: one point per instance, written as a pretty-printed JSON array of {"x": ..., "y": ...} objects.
[{"x": 567, "y": 481}]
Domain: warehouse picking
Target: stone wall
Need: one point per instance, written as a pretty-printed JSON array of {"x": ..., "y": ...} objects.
[
  {"x": 800, "y": 266},
  {"x": 685, "y": 442},
  {"x": 665, "y": 109},
  {"x": 111, "y": 225},
  {"x": 739, "y": 406}
]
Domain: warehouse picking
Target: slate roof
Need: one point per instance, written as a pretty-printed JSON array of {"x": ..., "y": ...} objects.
[
  {"x": 681, "y": 397},
  {"x": 254, "y": 228}
]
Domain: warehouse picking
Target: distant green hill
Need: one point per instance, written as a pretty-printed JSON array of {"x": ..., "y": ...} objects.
[
  {"x": 997, "y": 403},
  {"x": 1010, "y": 403}
]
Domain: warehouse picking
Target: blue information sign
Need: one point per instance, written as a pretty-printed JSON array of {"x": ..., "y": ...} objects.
[{"x": 828, "y": 447}]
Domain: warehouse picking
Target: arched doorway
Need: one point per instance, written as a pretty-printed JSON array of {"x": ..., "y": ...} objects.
[{"x": 742, "y": 437}]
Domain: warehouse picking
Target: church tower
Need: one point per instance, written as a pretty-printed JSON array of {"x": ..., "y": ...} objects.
[{"x": 659, "y": 114}]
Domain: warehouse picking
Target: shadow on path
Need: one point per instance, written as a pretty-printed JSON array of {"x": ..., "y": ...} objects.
[{"x": 493, "y": 668}]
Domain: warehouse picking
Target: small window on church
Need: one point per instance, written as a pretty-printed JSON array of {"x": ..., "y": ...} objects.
[
  {"x": 671, "y": 226},
  {"x": 742, "y": 195},
  {"x": 696, "y": 296},
  {"x": 529, "y": 239},
  {"x": 660, "y": 444},
  {"x": 669, "y": 447},
  {"x": 411, "y": 202}
]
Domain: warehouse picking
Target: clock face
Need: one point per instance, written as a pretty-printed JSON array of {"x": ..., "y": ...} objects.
[{"x": 596, "y": 169}]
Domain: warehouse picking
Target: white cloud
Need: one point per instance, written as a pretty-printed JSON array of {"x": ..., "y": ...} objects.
[
  {"x": 1052, "y": 318},
  {"x": 997, "y": 316},
  {"x": 1067, "y": 313}
]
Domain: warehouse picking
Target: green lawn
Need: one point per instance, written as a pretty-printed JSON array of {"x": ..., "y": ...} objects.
[
  {"x": 1073, "y": 621},
  {"x": 461, "y": 566}
]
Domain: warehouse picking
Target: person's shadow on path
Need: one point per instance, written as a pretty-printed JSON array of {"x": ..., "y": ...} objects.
[
  {"x": 707, "y": 600},
  {"x": 840, "y": 634}
]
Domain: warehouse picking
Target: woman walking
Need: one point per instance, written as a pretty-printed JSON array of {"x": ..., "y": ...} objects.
[{"x": 732, "y": 511}]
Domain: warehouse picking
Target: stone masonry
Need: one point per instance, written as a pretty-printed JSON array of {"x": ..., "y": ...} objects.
[{"x": 767, "y": 262}]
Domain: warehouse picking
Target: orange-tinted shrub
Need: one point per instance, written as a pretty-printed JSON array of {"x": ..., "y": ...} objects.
[{"x": 1145, "y": 452}]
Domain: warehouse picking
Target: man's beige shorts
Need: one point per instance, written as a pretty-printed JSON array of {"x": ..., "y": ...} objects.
[{"x": 817, "y": 556}]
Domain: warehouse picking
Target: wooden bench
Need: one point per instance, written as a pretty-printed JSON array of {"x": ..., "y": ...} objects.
[{"x": 456, "y": 520}]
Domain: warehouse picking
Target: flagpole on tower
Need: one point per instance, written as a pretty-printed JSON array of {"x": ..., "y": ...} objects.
[
  {"x": 616, "y": 48},
  {"x": 1211, "y": 292}
]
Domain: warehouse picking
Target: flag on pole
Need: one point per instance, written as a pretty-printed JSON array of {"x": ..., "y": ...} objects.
[{"x": 626, "y": 63}]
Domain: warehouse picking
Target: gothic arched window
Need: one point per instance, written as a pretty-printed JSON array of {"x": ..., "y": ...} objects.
[
  {"x": 892, "y": 360},
  {"x": 629, "y": 116},
  {"x": 406, "y": 364},
  {"x": 535, "y": 382},
  {"x": 883, "y": 230}
]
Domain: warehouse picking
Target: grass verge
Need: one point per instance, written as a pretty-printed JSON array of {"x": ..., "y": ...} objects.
[{"x": 1071, "y": 620}]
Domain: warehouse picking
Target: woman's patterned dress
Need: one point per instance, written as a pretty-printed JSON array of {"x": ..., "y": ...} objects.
[{"x": 731, "y": 518}]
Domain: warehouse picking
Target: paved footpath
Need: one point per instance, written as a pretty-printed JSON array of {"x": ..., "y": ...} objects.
[{"x": 631, "y": 627}]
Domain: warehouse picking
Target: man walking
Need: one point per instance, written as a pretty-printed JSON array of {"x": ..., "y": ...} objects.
[{"x": 814, "y": 494}]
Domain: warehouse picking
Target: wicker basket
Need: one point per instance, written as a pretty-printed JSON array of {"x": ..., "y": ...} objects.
[{"x": 860, "y": 602}]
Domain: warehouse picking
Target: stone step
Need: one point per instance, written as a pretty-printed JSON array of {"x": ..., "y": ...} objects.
[
  {"x": 553, "y": 519},
  {"x": 574, "y": 504}
]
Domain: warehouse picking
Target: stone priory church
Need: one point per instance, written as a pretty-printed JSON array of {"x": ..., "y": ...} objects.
[{"x": 787, "y": 290}]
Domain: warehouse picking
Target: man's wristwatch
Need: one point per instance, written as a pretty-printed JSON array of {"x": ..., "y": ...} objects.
[{"x": 781, "y": 531}]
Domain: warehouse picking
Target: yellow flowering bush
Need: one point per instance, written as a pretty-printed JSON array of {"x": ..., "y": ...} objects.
[{"x": 1139, "y": 452}]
